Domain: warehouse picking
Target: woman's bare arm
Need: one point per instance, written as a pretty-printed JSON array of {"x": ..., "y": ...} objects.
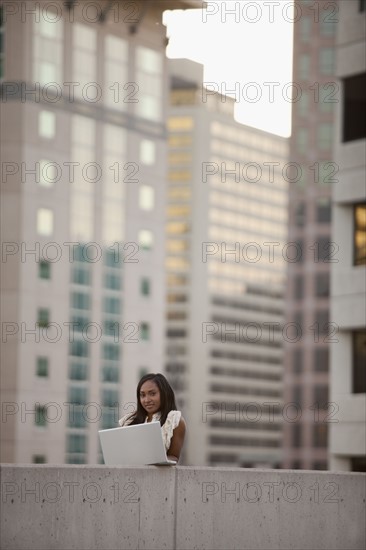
[{"x": 177, "y": 441}]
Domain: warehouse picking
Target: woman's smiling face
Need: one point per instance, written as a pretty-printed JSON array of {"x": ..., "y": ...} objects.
[{"x": 150, "y": 397}]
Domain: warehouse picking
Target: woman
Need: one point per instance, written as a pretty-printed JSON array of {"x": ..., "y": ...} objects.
[{"x": 156, "y": 401}]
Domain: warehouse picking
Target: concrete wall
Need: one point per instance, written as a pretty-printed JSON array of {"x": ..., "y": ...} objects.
[{"x": 150, "y": 507}]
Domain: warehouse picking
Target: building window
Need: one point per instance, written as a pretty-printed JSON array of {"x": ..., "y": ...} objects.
[
  {"x": 145, "y": 287},
  {"x": 142, "y": 372},
  {"x": 359, "y": 232},
  {"x": 296, "y": 435},
  {"x": 44, "y": 270},
  {"x": 111, "y": 352},
  {"x": 48, "y": 50},
  {"x": 81, "y": 276},
  {"x": 110, "y": 374},
  {"x": 116, "y": 72},
  {"x": 302, "y": 140},
  {"x": 322, "y": 283},
  {"x": 42, "y": 367},
  {"x": 180, "y": 124},
  {"x": 39, "y": 459},
  {"x": 300, "y": 214},
  {"x": 44, "y": 222},
  {"x": 2, "y": 42},
  {"x": 110, "y": 398},
  {"x": 84, "y": 58},
  {"x": 112, "y": 258},
  {"x": 78, "y": 395},
  {"x": 325, "y": 136},
  {"x": 80, "y": 300},
  {"x": 323, "y": 210},
  {"x": 299, "y": 287},
  {"x": 145, "y": 331},
  {"x": 321, "y": 360},
  {"x": 78, "y": 371},
  {"x": 43, "y": 317},
  {"x": 47, "y": 124},
  {"x": 298, "y": 361},
  {"x": 149, "y": 76},
  {"x": 40, "y": 418},
  {"x": 146, "y": 239},
  {"x": 319, "y": 465},
  {"x": 79, "y": 348},
  {"x": 147, "y": 152},
  {"x": 322, "y": 249},
  {"x": 76, "y": 443},
  {"x": 359, "y": 361},
  {"x": 354, "y": 97},
  {"x": 321, "y": 396},
  {"x": 146, "y": 197},
  {"x": 305, "y": 28},
  {"x": 112, "y": 305},
  {"x": 304, "y": 66},
  {"x": 320, "y": 435},
  {"x": 326, "y": 61},
  {"x": 297, "y": 396},
  {"x": 303, "y": 104},
  {"x": 112, "y": 281},
  {"x": 361, "y": 5},
  {"x": 322, "y": 321},
  {"x": 358, "y": 463}
]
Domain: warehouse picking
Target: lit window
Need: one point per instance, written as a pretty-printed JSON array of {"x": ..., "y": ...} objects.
[
  {"x": 179, "y": 193},
  {"x": 84, "y": 60},
  {"x": 147, "y": 152},
  {"x": 180, "y": 124},
  {"x": 145, "y": 331},
  {"x": 360, "y": 234},
  {"x": 44, "y": 270},
  {"x": 47, "y": 124},
  {"x": 179, "y": 175},
  {"x": 44, "y": 222},
  {"x": 179, "y": 140},
  {"x": 146, "y": 239},
  {"x": 146, "y": 197},
  {"x": 48, "y": 50},
  {"x": 178, "y": 211},
  {"x": 42, "y": 367},
  {"x": 177, "y": 228}
]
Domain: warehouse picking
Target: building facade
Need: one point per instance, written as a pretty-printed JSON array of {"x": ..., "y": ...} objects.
[
  {"x": 225, "y": 236},
  {"x": 83, "y": 113},
  {"x": 306, "y": 380},
  {"x": 348, "y": 292}
]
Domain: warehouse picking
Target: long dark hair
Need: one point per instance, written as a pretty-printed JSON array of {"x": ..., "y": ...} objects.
[{"x": 167, "y": 399}]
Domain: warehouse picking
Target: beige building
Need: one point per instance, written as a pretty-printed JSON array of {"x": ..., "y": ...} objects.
[
  {"x": 226, "y": 239},
  {"x": 83, "y": 113},
  {"x": 348, "y": 292},
  {"x": 306, "y": 380}
]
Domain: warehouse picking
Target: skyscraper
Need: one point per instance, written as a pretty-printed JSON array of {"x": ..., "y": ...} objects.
[
  {"x": 83, "y": 114},
  {"x": 226, "y": 235},
  {"x": 306, "y": 377},
  {"x": 348, "y": 295}
]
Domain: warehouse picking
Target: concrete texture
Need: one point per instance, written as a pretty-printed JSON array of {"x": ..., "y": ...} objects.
[{"x": 180, "y": 508}]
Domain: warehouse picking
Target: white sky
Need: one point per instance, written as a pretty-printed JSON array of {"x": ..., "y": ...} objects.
[{"x": 242, "y": 47}]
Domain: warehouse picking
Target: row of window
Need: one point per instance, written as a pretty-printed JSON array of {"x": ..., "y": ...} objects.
[
  {"x": 323, "y": 210},
  {"x": 321, "y": 286},
  {"x": 319, "y": 435}
]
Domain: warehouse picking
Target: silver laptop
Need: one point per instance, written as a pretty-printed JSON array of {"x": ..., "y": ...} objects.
[{"x": 137, "y": 445}]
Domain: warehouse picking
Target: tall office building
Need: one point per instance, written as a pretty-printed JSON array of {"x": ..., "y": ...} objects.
[
  {"x": 306, "y": 377},
  {"x": 226, "y": 234},
  {"x": 83, "y": 113},
  {"x": 348, "y": 294}
]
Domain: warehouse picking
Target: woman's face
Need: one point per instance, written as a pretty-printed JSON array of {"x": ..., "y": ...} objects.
[{"x": 150, "y": 397}]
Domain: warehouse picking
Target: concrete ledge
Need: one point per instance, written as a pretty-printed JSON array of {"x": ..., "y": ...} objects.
[{"x": 149, "y": 507}]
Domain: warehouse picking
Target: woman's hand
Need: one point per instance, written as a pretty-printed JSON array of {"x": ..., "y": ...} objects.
[{"x": 177, "y": 441}]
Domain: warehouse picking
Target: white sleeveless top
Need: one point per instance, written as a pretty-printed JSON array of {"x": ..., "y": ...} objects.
[{"x": 171, "y": 422}]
